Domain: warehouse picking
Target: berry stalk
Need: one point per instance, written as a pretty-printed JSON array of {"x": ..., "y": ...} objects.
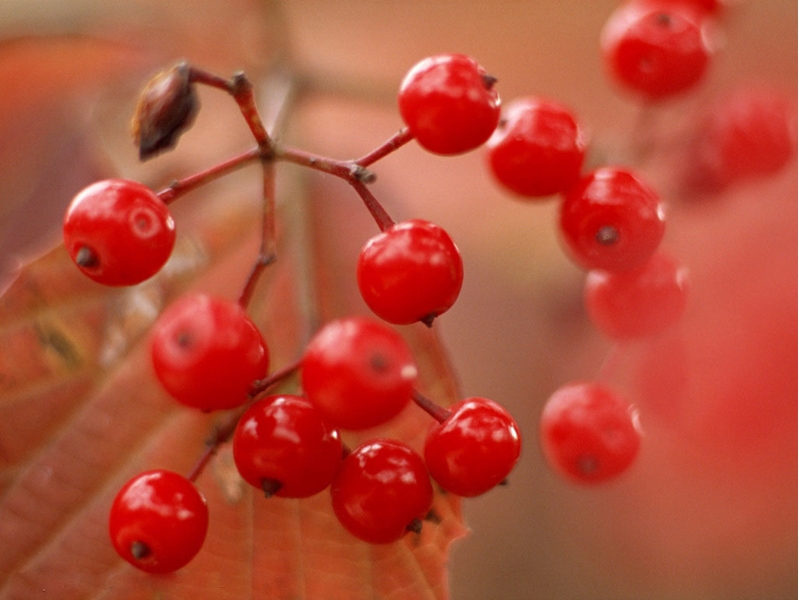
[
  {"x": 183, "y": 186},
  {"x": 430, "y": 407}
]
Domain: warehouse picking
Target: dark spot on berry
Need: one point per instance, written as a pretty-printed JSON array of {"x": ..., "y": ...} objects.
[
  {"x": 607, "y": 235},
  {"x": 140, "y": 550},
  {"x": 588, "y": 464},
  {"x": 647, "y": 64},
  {"x": 142, "y": 223},
  {"x": 428, "y": 319},
  {"x": 488, "y": 81},
  {"x": 270, "y": 486},
  {"x": 415, "y": 526},
  {"x": 184, "y": 339},
  {"x": 433, "y": 517},
  {"x": 86, "y": 258},
  {"x": 663, "y": 19},
  {"x": 378, "y": 362}
]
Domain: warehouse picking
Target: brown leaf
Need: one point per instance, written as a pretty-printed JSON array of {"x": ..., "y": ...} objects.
[{"x": 81, "y": 413}]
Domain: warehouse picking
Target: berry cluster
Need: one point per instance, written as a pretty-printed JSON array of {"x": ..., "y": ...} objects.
[
  {"x": 357, "y": 373},
  {"x": 612, "y": 222}
]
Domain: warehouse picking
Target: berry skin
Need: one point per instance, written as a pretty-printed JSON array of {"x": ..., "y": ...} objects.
[
  {"x": 752, "y": 133},
  {"x": 538, "y": 148},
  {"x": 282, "y": 446},
  {"x": 449, "y": 104},
  {"x": 611, "y": 220},
  {"x": 474, "y": 449},
  {"x": 118, "y": 232},
  {"x": 381, "y": 491},
  {"x": 358, "y": 372},
  {"x": 637, "y": 303},
  {"x": 588, "y": 433},
  {"x": 207, "y": 353},
  {"x": 656, "y": 49},
  {"x": 158, "y": 521},
  {"x": 412, "y": 271}
]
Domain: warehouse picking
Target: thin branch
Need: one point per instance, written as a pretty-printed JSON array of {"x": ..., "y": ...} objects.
[
  {"x": 399, "y": 139},
  {"x": 183, "y": 186},
  {"x": 430, "y": 407}
]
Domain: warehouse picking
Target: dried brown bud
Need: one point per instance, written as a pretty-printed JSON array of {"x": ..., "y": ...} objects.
[{"x": 167, "y": 107}]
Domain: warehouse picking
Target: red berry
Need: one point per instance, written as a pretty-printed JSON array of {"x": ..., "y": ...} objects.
[
  {"x": 611, "y": 220},
  {"x": 474, "y": 449},
  {"x": 705, "y": 6},
  {"x": 282, "y": 446},
  {"x": 750, "y": 134},
  {"x": 410, "y": 272},
  {"x": 358, "y": 372},
  {"x": 588, "y": 433},
  {"x": 158, "y": 521},
  {"x": 381, "y": 491},
  {"x": 656, "y": 49},
  {"x": 207, "y": 353},
  {"x": 118, "y": 232},
  {"x": 449, "y": 103},
  {"x": 637, "y": 303},
  {"x": 538, "y": 148}
]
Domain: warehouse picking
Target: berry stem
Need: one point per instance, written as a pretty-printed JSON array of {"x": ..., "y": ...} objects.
[
  {"x": 430, "y": 407},
  {"x": 268, "y": 251},
  {"x": 399, "y": 139},
  {"x": 203, "y": 77},
  {"x": 340, "y": 168},
  {"x": 222, "y": 433},
  {"x": 374, "y": 207},
  {"x": 183, "y": 186},
  {"x": 242, "y": 92},
  {"x": 269, "y": 381},
  {"x": 349, "y": 170},
  {"x": 241, "y": 89}
]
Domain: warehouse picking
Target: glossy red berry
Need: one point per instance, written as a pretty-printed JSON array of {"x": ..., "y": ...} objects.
[
  {"x": 656, "y": 49},
  {"x": 118, "y": 232},
  {"x": 538, "y": 148},
  {"x": 282, "y": 446},
  {"x": 749, "y": 134},
  {"x": 158, "y": 521},
  {"x": 412, "y": 271},
  {"x": 381, "y": 491},
  {"x": 588, "y": 433},
  {"x": 207, "y": 353},
  {"x": 611, "y": 220},
  {"x": 449, "y": 103},
  {"x": 358, "y": 372},
  {"x": 640, "y": 302},
  {"x": 474, "y": 449}
]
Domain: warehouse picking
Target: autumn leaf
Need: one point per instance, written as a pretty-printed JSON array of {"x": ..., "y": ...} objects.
[{"x": 81, "y": 413}]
